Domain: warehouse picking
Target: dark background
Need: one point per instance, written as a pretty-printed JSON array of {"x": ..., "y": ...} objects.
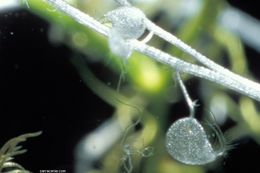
[{"x": 41, "y": 90}]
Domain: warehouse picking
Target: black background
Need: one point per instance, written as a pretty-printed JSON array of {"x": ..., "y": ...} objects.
[{"x": 41, "y": 90}]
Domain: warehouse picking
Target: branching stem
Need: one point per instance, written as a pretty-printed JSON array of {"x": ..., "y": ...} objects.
[{"x": 211, "y": 71}]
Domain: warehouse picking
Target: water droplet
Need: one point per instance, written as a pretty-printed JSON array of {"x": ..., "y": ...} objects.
[{"x": 187, "y": 142}]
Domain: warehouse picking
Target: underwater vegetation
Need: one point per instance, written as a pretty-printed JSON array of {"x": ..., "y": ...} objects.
[
  {"x": 10, "y": 150},
  {"x": 151, "y": 86}
]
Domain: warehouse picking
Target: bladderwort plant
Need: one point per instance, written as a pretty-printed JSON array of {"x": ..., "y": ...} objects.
[
  {"x": 125, "y": 18},
  {"x": 128, "y": 25},
  {"x": 188, "y": 142}
]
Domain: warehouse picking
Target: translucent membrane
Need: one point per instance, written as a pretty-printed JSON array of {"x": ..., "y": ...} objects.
[
  {"x": 187, "y": 142},
  {"x": 127, "y": 23}
]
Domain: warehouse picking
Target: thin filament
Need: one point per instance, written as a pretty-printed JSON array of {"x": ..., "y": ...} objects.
[
  {"x": 220, "y": 135},
  {"x": 187, "y": 97}
]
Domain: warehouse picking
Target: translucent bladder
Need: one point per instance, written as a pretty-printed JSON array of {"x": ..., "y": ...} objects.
[{"x": 187, "y": 140}]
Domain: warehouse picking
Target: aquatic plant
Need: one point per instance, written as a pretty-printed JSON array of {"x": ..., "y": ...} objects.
[
  {"x": 11, "y": 149},
  {"x": 129, "y": 30}
]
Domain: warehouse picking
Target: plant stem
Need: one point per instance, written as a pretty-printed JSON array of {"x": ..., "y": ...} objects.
[
  {"x": 214, "y": 72},
  {"x": 186, "y": 95},
  {"x": 251, "y": 89},
  {"x": 186, "y": 48}
]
